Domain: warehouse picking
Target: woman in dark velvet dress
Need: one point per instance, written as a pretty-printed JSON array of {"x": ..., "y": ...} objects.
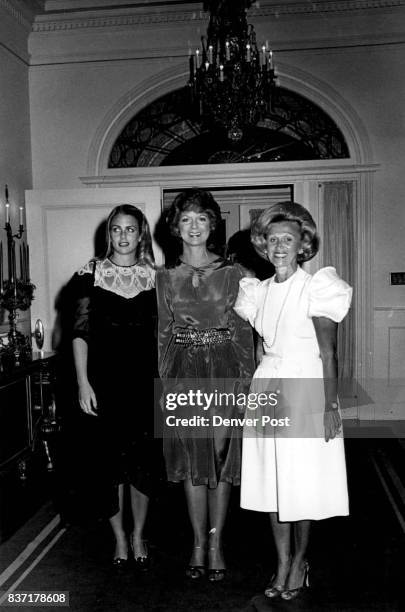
[
  {"x": 201, "y": 338},
  {"x": 116, "y": 361}
]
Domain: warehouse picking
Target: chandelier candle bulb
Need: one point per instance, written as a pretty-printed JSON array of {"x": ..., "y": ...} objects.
[
  {"x": 248, "y": 53},
  {"x": 221, "y": 73},
  {"x": 210, "y": 54},
  {"x": 227, "y": 51},
  {"x": 264, "y": 58},
  {"x": 271, "y": 66},
  {"x": 197, "y": 58},
  {"x": 21, "y": 217},
  {"x": 7, "y": 213},
  {"x": 207, "y": 65}
]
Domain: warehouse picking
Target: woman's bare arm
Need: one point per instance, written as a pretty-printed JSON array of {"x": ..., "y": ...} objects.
[
  {"x": 87, "y": 397},
  {"x": 326, "y": 333}
]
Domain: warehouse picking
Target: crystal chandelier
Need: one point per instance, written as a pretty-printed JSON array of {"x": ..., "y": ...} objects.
[{"x": 232, "y": 80}]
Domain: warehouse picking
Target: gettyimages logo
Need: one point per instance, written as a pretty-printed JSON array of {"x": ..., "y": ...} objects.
[{"x": 283, "y": 407}]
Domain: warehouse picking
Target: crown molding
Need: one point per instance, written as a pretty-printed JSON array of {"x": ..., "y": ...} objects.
[
  {"x": 117, "y": 18},
  {"x": 327, "y": 6},
  {"x": 104, "y": 18}
]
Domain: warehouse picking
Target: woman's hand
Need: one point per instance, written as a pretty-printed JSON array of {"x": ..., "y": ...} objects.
[
  {"x": 87, "y": 398},
  {"x": 332, "y": 423}
]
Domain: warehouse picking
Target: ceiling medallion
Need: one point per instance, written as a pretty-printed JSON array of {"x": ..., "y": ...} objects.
[{"x": 231, "y": 81}]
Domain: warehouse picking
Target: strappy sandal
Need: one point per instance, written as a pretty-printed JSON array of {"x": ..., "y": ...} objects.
[
  {"x": 290, "y": 594},
  {"x": 216, "y": 575},
  {"x": 142, "y": 562},
  {"x": 274, "y": 590},
  {"x": 195, "y": 572}
]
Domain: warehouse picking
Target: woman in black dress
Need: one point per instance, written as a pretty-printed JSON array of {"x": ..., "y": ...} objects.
[
  {"x": 201, "y": 339},
  {"x": 115, "y": 360}
]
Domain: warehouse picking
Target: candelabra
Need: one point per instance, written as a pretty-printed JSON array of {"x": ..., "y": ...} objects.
[
  {"x": 232, "y": 81},
  {"x": 16, "y": 293}
]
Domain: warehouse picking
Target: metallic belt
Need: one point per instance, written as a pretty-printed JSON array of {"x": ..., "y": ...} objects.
[{"x": 202, "y": 337}]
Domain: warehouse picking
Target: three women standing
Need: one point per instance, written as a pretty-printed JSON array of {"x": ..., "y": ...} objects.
[
  {"x": 115, "y": 320},
  {"x": 201, "y": 338}
]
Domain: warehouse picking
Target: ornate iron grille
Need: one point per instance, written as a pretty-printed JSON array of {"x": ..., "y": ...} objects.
[{"x": 163, "y": 134}]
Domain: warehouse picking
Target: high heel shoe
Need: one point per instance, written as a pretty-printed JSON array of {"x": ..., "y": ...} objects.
[
  {"x": 290, "y": 594},
  {"x": 194, "y": 572},
  {"x": 216, "y": 575},
  {"x": 142, "y": 561},
  {"x": 118, "y": 562},
  {"x": 274, "y": 590}
]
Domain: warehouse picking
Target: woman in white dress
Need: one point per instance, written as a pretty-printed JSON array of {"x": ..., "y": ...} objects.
[{"x": 297, "y": 474}]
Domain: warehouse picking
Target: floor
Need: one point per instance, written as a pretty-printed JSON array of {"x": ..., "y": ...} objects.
[{"x": 357, "y": 563}]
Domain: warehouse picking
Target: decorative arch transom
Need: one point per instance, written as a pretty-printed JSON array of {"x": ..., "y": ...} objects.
[{"x": 163, "y": 134}]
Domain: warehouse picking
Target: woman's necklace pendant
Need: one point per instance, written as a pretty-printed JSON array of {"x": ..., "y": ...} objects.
[{"x": 195, "y": 281}]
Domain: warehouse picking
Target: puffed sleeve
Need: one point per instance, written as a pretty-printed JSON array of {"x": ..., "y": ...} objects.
[
  {"x": 242, "y": 335},
  {"x": 83, "y": 282},
  {"x": 246, "y": 304},
  {"x": 165, "y": 319},
  {"x": 329, "y": 295}
]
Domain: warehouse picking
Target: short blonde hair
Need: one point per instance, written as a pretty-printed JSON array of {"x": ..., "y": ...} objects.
[{"x": 294, "y": 213}]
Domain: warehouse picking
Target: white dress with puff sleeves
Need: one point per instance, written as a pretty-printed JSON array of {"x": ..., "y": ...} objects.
[{"x": 302, "y": 477}]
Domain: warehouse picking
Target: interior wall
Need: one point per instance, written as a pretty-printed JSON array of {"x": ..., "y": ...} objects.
[{"x": 15, "y": 145}]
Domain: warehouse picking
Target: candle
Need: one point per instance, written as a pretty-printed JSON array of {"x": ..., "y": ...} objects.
[
  {"x": 210, "y": 54},
  {"x": 28, "y": 264},
  {"x": 21, "y": 216},
  {"x": 12, "y": 265},
  {"x": 191, "y": 79},
  {"x": 1, "y": 268},
  {"x": 21, "y": 264},
  {"x": 7, "y": 213},
  {"x": 207, "y": 65},
  {"x": 227, "y": 51},
  {"x": 25, "y": 262},
  {"x": 263, "y": 55},
  {"x": 221, "y": 73},
  {"x": 14, "y": 272},
  {"x": 248, "y": 52},
  {"x": 197, "y": 58},
  {"x": 271, "y": 65},
  {"x": 10, "y": 261}
]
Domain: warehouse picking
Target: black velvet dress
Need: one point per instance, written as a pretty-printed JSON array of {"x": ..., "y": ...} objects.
[
  {"x": 116, "y": 316},
  {"x": 202, "y": 298}
]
